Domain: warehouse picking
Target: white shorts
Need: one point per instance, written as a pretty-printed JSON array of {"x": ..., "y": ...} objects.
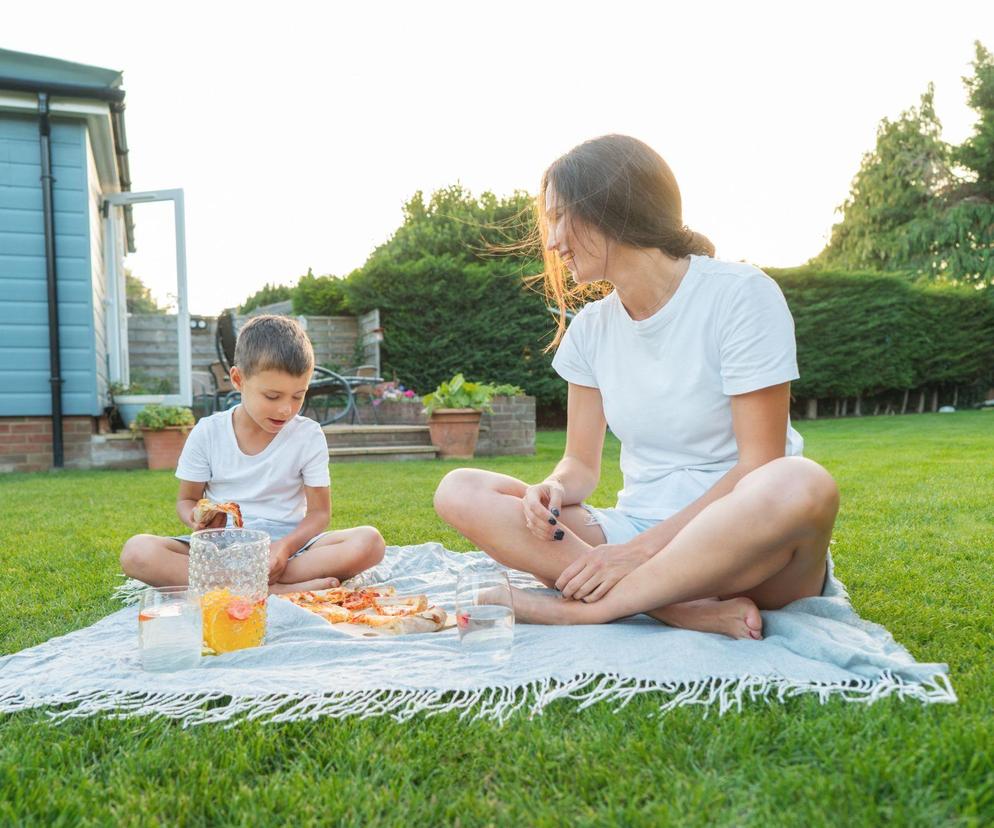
[{"x": 618, "y": 527}]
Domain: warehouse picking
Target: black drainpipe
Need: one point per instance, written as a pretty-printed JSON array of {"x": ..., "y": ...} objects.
[{"x": 48, "y": 210}]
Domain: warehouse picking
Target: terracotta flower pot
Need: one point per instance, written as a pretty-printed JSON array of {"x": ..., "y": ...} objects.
[
  {"x": 163, "y": 447},
  {"x": 454, "y": 431}
]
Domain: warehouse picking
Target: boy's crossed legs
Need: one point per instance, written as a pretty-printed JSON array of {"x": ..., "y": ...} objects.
[{"x": 332, "y": 558}]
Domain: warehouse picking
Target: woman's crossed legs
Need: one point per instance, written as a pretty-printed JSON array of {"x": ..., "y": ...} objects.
[{"x": 762, "y": 545}]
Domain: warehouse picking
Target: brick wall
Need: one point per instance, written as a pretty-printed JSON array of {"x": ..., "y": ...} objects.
[
  {"x": 509, "y": 429},
  {"x": 26, "y": 442}
]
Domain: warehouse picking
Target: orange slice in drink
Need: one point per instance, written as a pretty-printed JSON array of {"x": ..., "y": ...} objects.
[{"x": 232, "y": 622}]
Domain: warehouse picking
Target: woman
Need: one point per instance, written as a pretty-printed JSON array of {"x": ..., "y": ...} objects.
[{"x": 689, "y": 359}]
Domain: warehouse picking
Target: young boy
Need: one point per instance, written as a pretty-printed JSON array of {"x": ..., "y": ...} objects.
[{"x": 271, "y": 462}]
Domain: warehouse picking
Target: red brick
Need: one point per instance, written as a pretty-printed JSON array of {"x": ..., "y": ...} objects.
[
  {"x": 38, "y": 438},
  {"x": 4, "y": 428},
  {"x": 37, "y": 427}
]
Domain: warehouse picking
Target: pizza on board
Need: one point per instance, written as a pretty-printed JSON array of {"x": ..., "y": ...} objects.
[
  {"x": 206, "y": 509},
  {"x": 378, "y": 608}
]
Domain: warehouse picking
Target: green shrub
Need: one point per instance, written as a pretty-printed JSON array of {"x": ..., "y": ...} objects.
[
  {"x": 156, "y": 417},
  {"x": 867, "y": 334},
  {"x": 457, "y": 393}
]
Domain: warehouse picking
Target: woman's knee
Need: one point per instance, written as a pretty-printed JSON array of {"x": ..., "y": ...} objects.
[
  {"x": 457, "y": 490},
  {"x": 796, "y": 484}
]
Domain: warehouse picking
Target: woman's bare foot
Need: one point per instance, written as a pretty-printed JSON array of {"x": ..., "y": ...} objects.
[
  {"x": 735, "y": 617},
  {"x": 303, "y": 586}
]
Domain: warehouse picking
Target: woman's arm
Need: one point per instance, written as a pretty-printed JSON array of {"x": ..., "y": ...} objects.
[
  {"x": 759, "y": 420},
  {"x": 576, "y": 475},
  {"x": 580, "y": 469}
]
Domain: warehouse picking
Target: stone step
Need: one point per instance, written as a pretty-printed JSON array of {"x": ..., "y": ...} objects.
[
  {"x": 367, "y": 454},
  {"x": 358, "y": 436}
]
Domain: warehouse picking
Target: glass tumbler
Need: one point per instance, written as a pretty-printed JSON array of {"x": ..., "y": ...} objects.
[
  {"x": 229, "y": 570},
  {"x": 169, "y": 629},
  {"x": 485, "y": 613}
]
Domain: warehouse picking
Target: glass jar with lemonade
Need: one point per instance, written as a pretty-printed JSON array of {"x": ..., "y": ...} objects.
[{"x": 229, "y": 570}]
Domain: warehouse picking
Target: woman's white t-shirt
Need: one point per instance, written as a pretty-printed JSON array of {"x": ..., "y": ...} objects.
[
  {"x": 269, "y": 486},
  {"x": 667, "y": 381}
]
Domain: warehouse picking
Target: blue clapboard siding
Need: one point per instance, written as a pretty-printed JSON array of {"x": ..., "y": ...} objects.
[{"x": 24, "y": 365}]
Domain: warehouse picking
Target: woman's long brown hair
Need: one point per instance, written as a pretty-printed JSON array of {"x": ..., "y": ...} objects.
[{"x": 623, "y": 188}]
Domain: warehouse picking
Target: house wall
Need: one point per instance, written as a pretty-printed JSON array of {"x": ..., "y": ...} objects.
[
  {"x": 24, "y": 360},
  {"x": 95, "y": 197}
]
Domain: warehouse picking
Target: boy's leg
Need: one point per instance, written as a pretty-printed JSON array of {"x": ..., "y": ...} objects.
[
  {"x": 340, "y": 554},
  {"x": 156, "y": 560}
]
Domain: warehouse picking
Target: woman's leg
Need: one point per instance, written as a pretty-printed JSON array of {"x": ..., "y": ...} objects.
[
  {"x": 766, "y": 540},
  {"x": 486, "y": 508}
]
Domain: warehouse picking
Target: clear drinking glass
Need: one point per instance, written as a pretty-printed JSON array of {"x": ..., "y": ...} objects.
[
  {"x": 229, "y": 570},
  {"x": 485, "y": 613},
  {"x": 169, "y": 629}
]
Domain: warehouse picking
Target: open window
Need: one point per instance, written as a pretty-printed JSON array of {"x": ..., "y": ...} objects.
[{"x": 117, "y": 309}]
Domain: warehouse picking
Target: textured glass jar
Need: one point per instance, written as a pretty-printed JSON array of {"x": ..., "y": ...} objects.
[{"x": 229, "y": 570}]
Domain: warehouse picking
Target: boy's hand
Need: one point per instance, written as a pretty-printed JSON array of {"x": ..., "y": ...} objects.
[
  {"x": 215, "y": 520},
  {"x": 278, "y": 557}
]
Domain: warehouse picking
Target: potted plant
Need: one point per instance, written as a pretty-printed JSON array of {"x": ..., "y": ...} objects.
[
  {"x": 164, "y": 429},
  {"x": 143, "y": 390},
  {"x": 454, "y": 410}
]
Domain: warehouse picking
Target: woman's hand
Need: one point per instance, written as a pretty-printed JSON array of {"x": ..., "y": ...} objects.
[
  {"x": 541, "y": 504},
  {"x": 591, "y": 576}
]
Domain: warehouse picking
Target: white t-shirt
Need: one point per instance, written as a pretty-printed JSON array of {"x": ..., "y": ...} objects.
[
  {"x": 666, "y": 381},
  {"x": 269, "y": 486}
]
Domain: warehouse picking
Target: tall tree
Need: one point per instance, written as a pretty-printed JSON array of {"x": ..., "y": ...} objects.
[
  {"x": 977, "y": 152},
  {"x": 920, "y": 206},
  {"x": 894, "y": 194}
]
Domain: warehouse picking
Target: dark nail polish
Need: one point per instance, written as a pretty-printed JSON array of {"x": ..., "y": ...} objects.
[
  {"x": 560, "y": 534},
  {"x": 555, "y": 512},
  {"x": 552, "y": 521}
]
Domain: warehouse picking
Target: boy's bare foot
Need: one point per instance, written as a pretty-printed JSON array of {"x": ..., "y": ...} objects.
[
  {"x": 735, "y": 617},
  {"x": 304, "y": 586}
]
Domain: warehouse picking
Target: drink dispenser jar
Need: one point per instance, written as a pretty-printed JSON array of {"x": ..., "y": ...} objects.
[{"x": 229, "y": 570}]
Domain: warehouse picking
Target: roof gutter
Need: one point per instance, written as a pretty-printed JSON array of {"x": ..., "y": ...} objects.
[{"x": 113, "y": 96}]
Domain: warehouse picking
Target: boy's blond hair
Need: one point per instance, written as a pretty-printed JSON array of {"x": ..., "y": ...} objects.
[{"x": 273, "y": 343}]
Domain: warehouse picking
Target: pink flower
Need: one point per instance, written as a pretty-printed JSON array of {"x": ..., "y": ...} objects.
[{"x": 408, "y": 393}]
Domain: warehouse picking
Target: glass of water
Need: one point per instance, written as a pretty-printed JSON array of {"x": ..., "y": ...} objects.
[
  {"x": 170, "y": 631},
  {"x": 485, "y": 613}
]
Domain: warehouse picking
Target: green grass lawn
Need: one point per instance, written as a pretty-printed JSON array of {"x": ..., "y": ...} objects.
[{"x": 914, "y": 544}]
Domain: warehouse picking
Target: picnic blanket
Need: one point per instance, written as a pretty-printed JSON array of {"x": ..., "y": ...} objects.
[{"x": 308, "y": 669}]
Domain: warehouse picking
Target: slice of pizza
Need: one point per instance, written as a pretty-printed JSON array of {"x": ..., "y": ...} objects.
[
  {"x": 206, "y": 509},
  {"x": 431, "y": 619}
]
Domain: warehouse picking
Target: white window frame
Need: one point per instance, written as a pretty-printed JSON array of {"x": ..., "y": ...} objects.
[{"x": 117, "y": 311}]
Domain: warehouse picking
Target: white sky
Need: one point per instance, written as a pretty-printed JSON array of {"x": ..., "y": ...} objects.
[{"x": 298, "y": 134}]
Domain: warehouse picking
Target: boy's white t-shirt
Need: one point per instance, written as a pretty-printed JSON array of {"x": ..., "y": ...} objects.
[
  {"x": 667, "y": 381},
  {"x": 268, "y": 486}
]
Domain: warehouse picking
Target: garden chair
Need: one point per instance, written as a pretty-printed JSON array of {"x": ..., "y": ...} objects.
[
  {"x": 364, "y": 379},
  {"x": 329, "y": 395}
]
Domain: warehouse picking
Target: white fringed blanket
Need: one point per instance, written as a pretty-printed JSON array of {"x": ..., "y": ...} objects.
[{"x": 307, "y": 669}]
